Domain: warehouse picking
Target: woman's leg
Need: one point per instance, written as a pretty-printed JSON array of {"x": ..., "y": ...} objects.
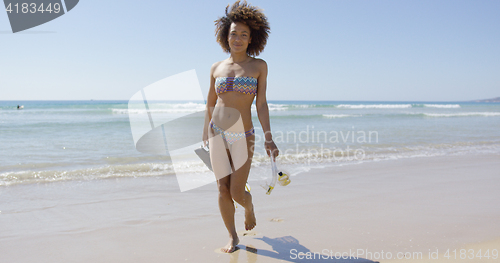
[
  {"x": 221, "y": 165},
  {"x": 226, "y": 206},
  {"x": 233, "y": 187},
  {"x": 240, "y": 176}
]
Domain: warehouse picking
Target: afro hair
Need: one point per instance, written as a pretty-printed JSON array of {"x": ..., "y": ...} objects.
[{"x": 252, "y": 17}]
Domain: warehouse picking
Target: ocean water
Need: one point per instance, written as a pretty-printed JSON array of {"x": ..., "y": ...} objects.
[{"x": 92, "y": 140}]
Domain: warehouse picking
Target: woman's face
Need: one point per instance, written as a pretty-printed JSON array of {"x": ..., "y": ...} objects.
[{"x": 239, "y": 37}]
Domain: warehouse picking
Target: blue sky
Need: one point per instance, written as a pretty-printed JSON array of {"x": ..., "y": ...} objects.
[{"x": 317, "y": 50}]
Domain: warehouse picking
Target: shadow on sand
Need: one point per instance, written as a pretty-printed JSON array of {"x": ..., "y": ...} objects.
[{"x": 287, "y": 249}]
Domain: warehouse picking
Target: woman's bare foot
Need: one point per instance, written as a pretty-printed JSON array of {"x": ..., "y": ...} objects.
[
  {"x": 231, "y": 246},
  {"x": 250, "y": 220}
]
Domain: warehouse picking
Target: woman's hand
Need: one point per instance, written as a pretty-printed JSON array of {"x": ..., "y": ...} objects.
[
  {"x": 204, "y": 138},
  {"x": 271, "y": 149}
]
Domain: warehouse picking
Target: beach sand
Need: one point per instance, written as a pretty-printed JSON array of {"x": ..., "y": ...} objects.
[{"x": 417, "y": 205}]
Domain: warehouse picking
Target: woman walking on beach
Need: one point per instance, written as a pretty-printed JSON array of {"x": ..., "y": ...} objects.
[{"x": 234, "y": 83}]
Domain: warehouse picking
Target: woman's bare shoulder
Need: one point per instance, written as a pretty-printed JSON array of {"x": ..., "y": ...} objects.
[
  {"x": 215, "y": 66},
  {"x": 259, "y": 62},
  {"x": 260, "y": 65}
]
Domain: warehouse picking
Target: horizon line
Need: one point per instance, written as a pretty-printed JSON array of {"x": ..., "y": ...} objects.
[{"x": 473, "y": 100}]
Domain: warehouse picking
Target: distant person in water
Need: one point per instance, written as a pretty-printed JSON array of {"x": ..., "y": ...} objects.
[{"x": 234, "y": 83}]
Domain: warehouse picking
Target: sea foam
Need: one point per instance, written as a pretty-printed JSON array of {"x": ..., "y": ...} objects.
[{"x": 374, "y": 106}]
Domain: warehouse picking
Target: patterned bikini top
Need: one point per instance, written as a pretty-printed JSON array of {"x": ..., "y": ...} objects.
[{"x": 246, "y": 85}]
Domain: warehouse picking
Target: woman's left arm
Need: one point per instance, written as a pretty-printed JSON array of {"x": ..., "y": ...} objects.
[{"x": 263, "y": 109}]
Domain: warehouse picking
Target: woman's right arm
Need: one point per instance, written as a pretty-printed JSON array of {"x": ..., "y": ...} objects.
[{"x": 211, "y": 100}]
